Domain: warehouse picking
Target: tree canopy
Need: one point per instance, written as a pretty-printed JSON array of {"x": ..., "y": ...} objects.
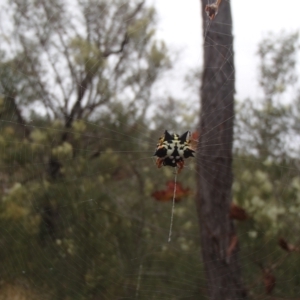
[{"x": 84, "y": 212}]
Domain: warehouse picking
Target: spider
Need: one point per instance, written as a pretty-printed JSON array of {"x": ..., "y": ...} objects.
[{"x": 172, "y": 149}]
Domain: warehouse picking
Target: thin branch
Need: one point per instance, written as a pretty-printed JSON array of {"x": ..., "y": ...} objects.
[
  {"x": 87, "y": 80},
  {"x": 44, "y": 92},
  {"x": 125, "y": 40},
  {"x": 59, "y": 79},
  {"x": 90, "y": 108},
  {"x": 20, "y": 118},
  {"x": 71, "y": 68}
]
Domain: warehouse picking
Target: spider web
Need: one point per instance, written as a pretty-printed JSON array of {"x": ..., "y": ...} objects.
[{"x": 98, "y": 232}]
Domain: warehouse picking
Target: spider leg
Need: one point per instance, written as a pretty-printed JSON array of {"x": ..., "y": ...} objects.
[
  {"x": 159, "y": 162},
  {"x": 180, "y": 165}
]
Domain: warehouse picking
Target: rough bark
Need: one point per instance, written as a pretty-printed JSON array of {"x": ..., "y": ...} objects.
[{"x": 218, "y": 237}]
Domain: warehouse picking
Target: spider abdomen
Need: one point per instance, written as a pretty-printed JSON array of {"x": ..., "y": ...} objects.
[{"x": 172, "y": 149}]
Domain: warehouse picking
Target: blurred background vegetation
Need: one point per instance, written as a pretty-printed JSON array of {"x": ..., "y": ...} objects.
[{"x": 78, "y": 129}]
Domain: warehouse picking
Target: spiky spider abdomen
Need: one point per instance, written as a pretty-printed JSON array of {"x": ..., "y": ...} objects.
[{"x": 172, "y": 149}]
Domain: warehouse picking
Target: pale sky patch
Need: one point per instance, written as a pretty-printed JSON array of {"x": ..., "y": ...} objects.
[{"x": 181, "y": 27}]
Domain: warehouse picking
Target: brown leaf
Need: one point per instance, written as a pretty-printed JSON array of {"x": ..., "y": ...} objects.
[
  {"x": 286, "y": 246},
  {"x": 233, "y": 244},
  {"x": 269, "y": 281},
  {"x": 161, "y": 196},
  {"x": 194, "y": 140},
  {"x": 237, "y": 213},
  {"x": 283, "y": 244},
  {"x": 167, "y": 194},
  {"x": 212, "y": 9}
]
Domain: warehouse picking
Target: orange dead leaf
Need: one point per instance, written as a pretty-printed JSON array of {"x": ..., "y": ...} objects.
[
  {"x": 237, "y": 213},
  {"x": 161, "y": 196},
  {"x": 167, "y": 194}
]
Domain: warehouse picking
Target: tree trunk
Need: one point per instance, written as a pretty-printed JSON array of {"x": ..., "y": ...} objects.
[{"x": 218, "y": 236}]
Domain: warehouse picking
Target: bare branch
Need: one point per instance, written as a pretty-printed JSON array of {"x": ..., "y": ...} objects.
[
  {"x": 20, "y": 119},
  {"x": 124, "y": 42},
  {"x": 45, "y": 93},
  {"x": 84, "y": 84},
  {"x": 125, "y": 38}
]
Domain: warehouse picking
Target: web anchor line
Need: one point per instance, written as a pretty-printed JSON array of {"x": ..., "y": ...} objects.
[
  {"x": 173, "y": 205},
  {"x": 138, "y": 282}
]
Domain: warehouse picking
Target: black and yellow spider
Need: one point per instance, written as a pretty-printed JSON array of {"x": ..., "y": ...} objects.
[{"x": 172, "y": 149}]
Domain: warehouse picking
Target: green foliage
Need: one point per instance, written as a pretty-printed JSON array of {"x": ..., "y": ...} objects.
[
  {"x": 88, "y": 233},
  {"x": 76, "y": 214},
  {"x": 278, "y": 61},
  {"x": 266, "y": 170},
  {"x": 86, "y": 55}
]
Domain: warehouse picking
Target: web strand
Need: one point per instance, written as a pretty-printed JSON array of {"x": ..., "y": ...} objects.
[
  {"x": 138, "y": 282},
  {"x": 173, "y": 207}
]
